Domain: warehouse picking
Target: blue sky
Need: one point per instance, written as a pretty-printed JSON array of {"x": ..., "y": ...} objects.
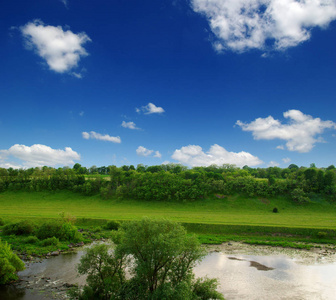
[{"x": 196, "y": 82}]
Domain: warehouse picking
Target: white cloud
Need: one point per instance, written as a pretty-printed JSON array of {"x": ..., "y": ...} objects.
[
  {"x": 81, "y": 113},
  {"x": 61, "y": 50},
  {"x": 273, "y": 164},
  {"x": 157, "y": 154},
  {"x": 150, "y": 108},
  {"x": 38, "y": 155},
  {"x": 142, "y": 151},
  {"x": 240, "y": 25},
  {"x": 300, "y": 133},
  {"x": 286, "y": 160},
  {"x": 193, "y": 155},
  {"x": 281, "y": 147},
  {"x": 130, "y": 125},
  {"x": 98, "y": 136}
]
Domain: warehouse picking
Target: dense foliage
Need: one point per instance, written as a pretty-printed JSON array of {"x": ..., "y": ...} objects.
[
  {"x": 159, "y": 257},
  {"x": 176, "y": 182},
  {"x": 48, "y": 233},
  {"x": 10, "y": 264}
]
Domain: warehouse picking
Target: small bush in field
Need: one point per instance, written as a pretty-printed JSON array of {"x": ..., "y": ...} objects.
[
  {"x": 112, "y": 225},
  {"x": 275, "y": 210}
]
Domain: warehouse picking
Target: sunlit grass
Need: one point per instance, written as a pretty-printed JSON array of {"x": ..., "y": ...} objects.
[{"x": 235, "y": 210}]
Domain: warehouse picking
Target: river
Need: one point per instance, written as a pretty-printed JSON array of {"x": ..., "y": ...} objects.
[{"x": 244, "y": 272}]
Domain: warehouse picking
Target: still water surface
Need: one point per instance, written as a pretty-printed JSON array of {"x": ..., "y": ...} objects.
[{"x": 241, "y": 276}]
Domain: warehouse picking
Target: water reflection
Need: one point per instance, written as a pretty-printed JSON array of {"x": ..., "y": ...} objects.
[{"x": 284, "y": 279}]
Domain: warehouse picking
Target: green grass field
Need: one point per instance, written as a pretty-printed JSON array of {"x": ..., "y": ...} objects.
[{"x": 232, "y": 210}]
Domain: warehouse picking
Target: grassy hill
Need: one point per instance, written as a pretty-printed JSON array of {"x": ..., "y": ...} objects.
[{"x": 233, "y": 210}]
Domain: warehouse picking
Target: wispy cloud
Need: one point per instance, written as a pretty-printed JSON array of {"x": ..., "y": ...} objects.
[
  {"x": 300, "y": 133},
  {"x": 65, "y": 2},
  {"x": 142, "y": 151},
  {"x": 130, "y": 125},
  {"x": 38, "y": 155},
  {"x": 150, "y": 108},
  {"x": 61, "y": 49},
  {"x": 241, "y": 25},
  {"x": 101, "y": 137},
  {"x": 286, "y": 160},
  {"x": 194, "y": 155}
]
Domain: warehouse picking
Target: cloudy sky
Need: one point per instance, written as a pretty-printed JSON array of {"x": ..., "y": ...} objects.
[{"x": 197, "y": 82}]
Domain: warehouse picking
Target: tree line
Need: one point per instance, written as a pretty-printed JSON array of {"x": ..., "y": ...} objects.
[{"x": 175, "y": 182}]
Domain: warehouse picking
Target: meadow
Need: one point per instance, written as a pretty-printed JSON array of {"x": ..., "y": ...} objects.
[{"x": 230, "y": 210}]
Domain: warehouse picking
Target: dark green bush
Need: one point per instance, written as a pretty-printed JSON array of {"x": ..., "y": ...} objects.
[
  {"x": 31, "y": 239},
  {"x": 20, "y": 228},
  {"x": 112, "y": 225},
  {"x": 64, "y": 231},
  {"x": 322, "y": 234},
  {"x": 49, "y": 229},
  {"x": 275, "y": 210}
]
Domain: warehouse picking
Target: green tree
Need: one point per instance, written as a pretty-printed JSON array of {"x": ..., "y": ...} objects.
[
  {"x": 10, "y": 264},
  {"x": 159, "y": 256}
]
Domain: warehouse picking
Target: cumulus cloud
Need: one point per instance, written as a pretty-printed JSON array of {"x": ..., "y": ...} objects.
[
  {"x": 150, "y": 108},
  {"x": 61, "y": 49},
  {"x": 101, "y": 137},
  {"x": 241, "y": 25},
  {"x": 38, "y": 155},
  {"x": 142, "y": 151},
  {"x": 300, "y": 132},
  {"x": 157, "y": 154},
  {"x": 194, "y": 155},
  {"x": 130, "y": 125}
]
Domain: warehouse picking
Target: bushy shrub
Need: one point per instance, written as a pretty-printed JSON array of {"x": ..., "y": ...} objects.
[
  {"x": 112, "y": 225},
  {"x": 275, "y": 210},
  {"x": 64, "y": 231},
  {"x": 299, "y": 196},
  {"x": 31, "y": 239},
  {"x": 97, "y": 229},
  {"x": 19, "y": 228},
  {"x": 50, "y": 242},
  {"x": 49, "y": 229},
  {"x": 322, "y": 234},
  {"x": 10, "y": 263},
  {"x": 69, "y": 233}
]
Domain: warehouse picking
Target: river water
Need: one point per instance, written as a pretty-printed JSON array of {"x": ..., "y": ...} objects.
[{"x": 244, "y": 272}]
